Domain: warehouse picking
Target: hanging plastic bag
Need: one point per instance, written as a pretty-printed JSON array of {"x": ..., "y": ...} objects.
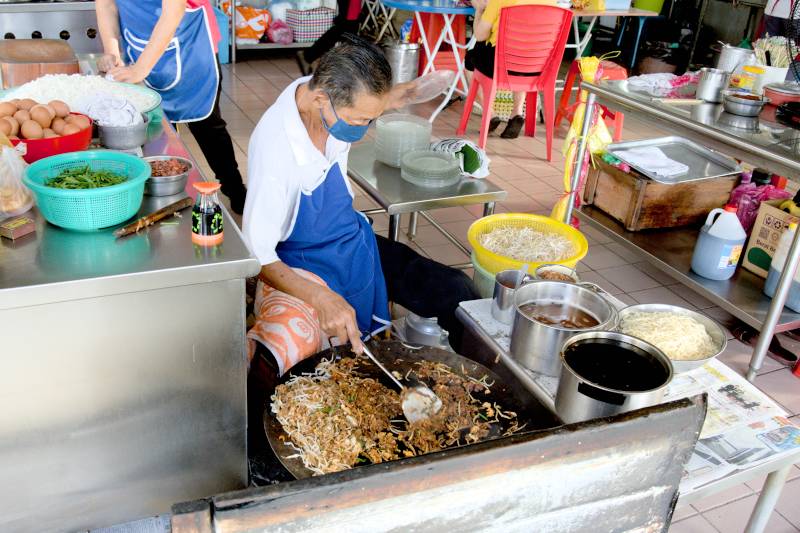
[
  {"x": 280, "y": 32},
  {"x": 15, "y": 198},
  {"x": 596, "y": 141}
]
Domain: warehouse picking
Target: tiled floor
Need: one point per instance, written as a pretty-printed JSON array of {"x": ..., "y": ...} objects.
[{"x": 533, "y": 185}]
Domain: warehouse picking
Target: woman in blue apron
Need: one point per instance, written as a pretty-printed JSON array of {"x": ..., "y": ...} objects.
[{"x": 171, "y": 47}]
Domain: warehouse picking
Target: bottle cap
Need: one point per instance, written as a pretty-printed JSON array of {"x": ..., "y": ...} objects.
[
  {"x": 730, "y": 208},
  {"x": 207, "y": 187},
  {"x": 792, "y": 226},
  {"x": 761, "y": 176}
]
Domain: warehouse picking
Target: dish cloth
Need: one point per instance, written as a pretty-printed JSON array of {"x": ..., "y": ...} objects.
[
  {"x": 286, "y": 325},
  {"x": 653, "y": 160}
]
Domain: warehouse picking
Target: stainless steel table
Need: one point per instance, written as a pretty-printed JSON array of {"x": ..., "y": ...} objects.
[
  {"x": 122, "y": 370},
  {"x": 482, "y": 332},
  {"x": 764, "y": 143},
  {"x": 396, "y": 196}
]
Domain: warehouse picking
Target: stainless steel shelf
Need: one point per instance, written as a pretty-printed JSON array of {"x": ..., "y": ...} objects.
[
  {"x": 773, "y": 146},
  {"x": 272, "y": 46},
  {"x": 671, "y": 252}
]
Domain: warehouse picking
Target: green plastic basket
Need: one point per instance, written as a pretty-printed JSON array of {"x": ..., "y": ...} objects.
[{"x": 88, "y": 209}]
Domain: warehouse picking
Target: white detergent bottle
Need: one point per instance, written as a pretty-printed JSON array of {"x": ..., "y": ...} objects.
[
  {"x": 776, "y": 268},
  {"x": 719, "y": 244}
]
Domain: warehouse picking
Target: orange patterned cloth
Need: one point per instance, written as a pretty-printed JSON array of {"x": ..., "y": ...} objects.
[{"x": 286, "y": 325}]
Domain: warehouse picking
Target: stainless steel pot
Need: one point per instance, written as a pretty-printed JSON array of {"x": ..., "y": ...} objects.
[
  {"x": 731, "y": 57},
  {"x": 581, "y": 397},
  {"x": 404, "y": 60},
  {"x": 711, "y": 84},
  {"x": 537, "y": 345}
]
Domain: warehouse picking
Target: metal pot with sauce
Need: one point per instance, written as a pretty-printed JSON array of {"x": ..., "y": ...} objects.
[
  {"x": 547, "y": 314},
  {"x": 607, "y": 373}
]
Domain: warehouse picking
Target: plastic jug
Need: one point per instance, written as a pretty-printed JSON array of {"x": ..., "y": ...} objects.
[
  {"x": 719, "y": 244},
  {"x": 776, "y": 267}
]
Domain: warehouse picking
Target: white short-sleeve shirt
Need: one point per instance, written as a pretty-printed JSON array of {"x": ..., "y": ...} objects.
[{"x": 282, "y": 164}]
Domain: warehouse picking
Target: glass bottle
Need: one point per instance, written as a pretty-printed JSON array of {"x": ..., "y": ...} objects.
[{"x": 207, "y": 215}]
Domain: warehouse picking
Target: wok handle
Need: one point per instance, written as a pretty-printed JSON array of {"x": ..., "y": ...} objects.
[{"x": 614, "y": 398}]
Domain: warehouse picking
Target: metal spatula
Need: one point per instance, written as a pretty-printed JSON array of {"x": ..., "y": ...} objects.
[{"x": 418, "y": 401}]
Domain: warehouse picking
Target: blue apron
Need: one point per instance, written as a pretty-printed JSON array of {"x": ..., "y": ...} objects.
[
  {"x": 186, "y": 75},
  {"x": 337, "y": 243}
]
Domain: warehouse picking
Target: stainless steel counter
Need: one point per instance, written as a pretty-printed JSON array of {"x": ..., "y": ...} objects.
[{"x": 122, "y": 370}]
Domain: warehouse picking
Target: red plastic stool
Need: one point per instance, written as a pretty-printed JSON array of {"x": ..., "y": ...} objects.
[{"x": 611, "y": 71}]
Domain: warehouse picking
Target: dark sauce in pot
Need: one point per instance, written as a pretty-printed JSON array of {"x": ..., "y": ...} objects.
[
  {"x": 559, "y": 314},
  {"x": 616, "y": 365}
]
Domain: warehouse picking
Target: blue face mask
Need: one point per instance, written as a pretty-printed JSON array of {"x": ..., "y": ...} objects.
[{"x": 343, "y": 131}]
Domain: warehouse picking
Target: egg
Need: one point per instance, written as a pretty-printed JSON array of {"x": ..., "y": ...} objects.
[
  {"x": 31, "y": 130},
  {"x": 61, "y": 109},
  {"x": 48, "y": 133},
  {"x": 22, "y": 115},
  {"x": 69, "y": 129},
  {"x": 58, "y": 125},
  {"x": 79, "y": 120},
  {"x": 14, "y": 124},
  {"x": 40, "y": 114},
  {"x": 5, "y": 127},
  {"x": 26, "y": 104},
  {"x": 7, "y": 109}
]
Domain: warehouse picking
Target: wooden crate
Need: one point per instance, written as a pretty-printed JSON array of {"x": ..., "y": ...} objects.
[{"x": 640, "y": 203}]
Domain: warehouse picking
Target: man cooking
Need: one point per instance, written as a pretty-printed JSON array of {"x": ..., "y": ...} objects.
[{"x": 324, "y": 271}]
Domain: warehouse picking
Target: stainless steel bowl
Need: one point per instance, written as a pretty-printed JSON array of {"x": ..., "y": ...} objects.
[
  {"x": 714, "y": 329},
  {"x": 124, "y": 137},
  {"x": 167, "y": 185},
  {"x": 744, "y": 107},
  {"x": 739, "y": 122}
]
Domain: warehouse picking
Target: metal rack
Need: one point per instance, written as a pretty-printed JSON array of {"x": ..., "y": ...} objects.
[
  {"x": 257, "y": 46},
  {"x": 775, "y": 148}
]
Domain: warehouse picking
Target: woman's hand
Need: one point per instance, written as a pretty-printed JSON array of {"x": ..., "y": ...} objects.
[
  {"x": 336, "y": 317},
  {"x": 131, "y": 74},
  {"x": 109, "y": 62},
  {"x": 479, "y": 5}
]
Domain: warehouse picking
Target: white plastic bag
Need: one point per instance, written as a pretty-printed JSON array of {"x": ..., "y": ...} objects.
[{"x": 15, "y": 198}]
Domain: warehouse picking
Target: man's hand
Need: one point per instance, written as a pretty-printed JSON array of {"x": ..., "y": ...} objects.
[
  {"x": 130, "y": 74},
  {"x": 336, "y": 317}
]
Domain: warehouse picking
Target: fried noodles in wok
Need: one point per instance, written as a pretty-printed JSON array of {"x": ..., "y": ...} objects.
[{"x": 337, "y": 418}]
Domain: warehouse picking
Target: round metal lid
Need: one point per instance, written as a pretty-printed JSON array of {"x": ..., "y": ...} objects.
[{"x": 792, "y": 88}]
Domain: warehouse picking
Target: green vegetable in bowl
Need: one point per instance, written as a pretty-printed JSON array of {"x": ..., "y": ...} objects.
[{"x": 85, "y": 178}]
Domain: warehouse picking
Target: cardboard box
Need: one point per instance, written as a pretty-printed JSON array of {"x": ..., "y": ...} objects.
[{"x": 767, "y": 230}]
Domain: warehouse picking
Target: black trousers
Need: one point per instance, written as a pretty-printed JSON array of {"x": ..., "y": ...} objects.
[
  {"x": 329, "y": 39},
  {"x": 425, "y": 287},
  {"x": 215, "y": 142}
]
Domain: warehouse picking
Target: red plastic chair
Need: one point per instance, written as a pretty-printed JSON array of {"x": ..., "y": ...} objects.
[
  {"x": 611, "y": 71},
  {"x": 530, "y": 40}
]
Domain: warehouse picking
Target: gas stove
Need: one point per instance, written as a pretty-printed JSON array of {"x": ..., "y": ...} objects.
[{"x": 71, "y": 20}]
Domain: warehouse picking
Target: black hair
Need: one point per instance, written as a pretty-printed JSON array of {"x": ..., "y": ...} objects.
[{"x": 353, "y": 66}]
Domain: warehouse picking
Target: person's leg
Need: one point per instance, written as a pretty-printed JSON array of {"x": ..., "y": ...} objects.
[
  {"x": 215, "y": 142},
  {"x": 425, "y": 287},
  {"x": 329, "y": 39},
  {"x": 517, "y": 120}
]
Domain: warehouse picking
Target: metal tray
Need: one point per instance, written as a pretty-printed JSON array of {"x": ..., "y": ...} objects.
[{"x": 703, "y": 162}]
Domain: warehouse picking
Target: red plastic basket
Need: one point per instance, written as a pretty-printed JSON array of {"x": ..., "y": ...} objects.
[{"x": 41, "y": 148}]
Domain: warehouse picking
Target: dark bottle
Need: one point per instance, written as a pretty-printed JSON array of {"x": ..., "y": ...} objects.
[{"x": 207, "y": 215}]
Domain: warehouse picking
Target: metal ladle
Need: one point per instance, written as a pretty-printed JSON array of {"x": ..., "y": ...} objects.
[{"x": 418, "y": 401}]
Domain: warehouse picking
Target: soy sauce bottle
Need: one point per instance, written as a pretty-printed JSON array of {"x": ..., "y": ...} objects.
[{"x": 207, "y": 215}]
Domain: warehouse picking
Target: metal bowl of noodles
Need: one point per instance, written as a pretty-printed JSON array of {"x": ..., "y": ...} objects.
[{"x": 715, "y": 331}]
